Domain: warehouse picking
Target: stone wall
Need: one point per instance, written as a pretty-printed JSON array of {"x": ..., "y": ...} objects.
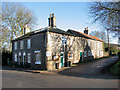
[{"x": 74, "y": 45}]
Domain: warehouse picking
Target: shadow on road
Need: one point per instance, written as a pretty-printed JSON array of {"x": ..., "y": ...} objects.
[{"x": 101, "y": 75}]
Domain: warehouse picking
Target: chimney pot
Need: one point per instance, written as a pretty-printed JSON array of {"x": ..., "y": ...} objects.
[
  {"x": 52, "y": 21},
  {"x": 52, "y": 14},
  {"x": 26, "y": 29},
  {"x": 86, "y": 30}
]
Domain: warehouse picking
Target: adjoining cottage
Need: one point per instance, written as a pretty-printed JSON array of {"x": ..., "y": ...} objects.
[{"x": 51, "y": 48}]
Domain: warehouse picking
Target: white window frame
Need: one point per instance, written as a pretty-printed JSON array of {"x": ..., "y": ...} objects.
[
  {"x": 98, "y": 53},
  {"x": 36, "y": 57},
  {"x": 85, "y": 53},
  {"x": 70, "y": 57},
  {"x": 89, "y": 53},
  {"x": 64, "y": 40},
  {"x": 28, "y": 43},
  {"x": 21, "y": 44},
  {"x": 15, "y": 57},
  {"x": 92, "y": 52},
  {"x": 15, "y": 45},
  {"x": 29, "y": 58},
  {"x": 71, "y": 41}
]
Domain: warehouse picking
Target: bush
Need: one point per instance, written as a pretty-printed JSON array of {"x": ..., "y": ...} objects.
[
  {"x": 5, "y": 55},
  {"x": 115, "y": 69},
  {"x": 119, "y": 55}
]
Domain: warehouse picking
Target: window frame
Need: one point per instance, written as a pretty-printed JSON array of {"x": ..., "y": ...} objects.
[
  {"x": 29, "y": 58},
  {"x": 28, "y": 43},
  {"x": 85, "y": 53},
  {"x": 21, "y": 44},
  {"x": 89, "y": 53},
  {"x": 36, "y": 57},
  {"x": 15, "y": 57},
  {"x": 71, "y": 54},
  {"x": 15, "y": 45}
]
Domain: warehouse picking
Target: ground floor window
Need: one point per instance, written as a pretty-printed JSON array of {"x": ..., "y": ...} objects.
[
  {"x": 15, "y": 57},
  {"x": 85, "y": 54},
  {"x": 29, "y": 58},
  {"x": 70, "y": 55},
  {"x": 98, "y": 53},
  {"x": 89, "y": 53},
  {"x": 38, "y": 58},
  {"x": 92, "y": 52}
]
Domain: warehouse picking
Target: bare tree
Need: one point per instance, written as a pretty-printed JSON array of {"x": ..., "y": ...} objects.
[
  {"x": 100, "y": 34},
  {"x": 14, "y": 18},
  {"x": 108, "y": 13}
]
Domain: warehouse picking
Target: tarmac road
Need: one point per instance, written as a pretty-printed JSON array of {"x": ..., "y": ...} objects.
[
  {"x": 18, "y": 79},
  {"x": 87, "y": 77}
]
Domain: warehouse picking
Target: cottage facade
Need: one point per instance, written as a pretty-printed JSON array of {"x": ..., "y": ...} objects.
[{"x": 51, "y": 48}]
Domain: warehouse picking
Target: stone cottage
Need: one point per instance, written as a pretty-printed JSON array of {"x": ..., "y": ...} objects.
[{"x": 51, "y": 48}]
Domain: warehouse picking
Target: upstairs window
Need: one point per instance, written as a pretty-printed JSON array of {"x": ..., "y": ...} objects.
[
  {"x": 71, "y": 41},
  {"x": 29, "y": 58},
  {"x": 64, "y": 40},
  {"x": 28, "y": 43},
  {"x": 21, "y": 44},
  {"x": 88, "y": 42},
  {"x": 15, "y": 47}
]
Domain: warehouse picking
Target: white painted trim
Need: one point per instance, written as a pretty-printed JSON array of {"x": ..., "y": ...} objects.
[
  {"x": 24, "y": 54},
  {"x": 38, "y": 51}
]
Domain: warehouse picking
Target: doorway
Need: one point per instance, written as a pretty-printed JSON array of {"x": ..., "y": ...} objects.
[
  {"x": 62, "y": 59},
  {"x": 81, "y": 59}
]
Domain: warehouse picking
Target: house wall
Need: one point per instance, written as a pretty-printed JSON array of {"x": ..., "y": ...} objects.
[
  {"x": 38, "y": 44},
  {"x": 50, "y": 45},
  {"x": 75, "y": 45},
  {"x": 18, "y": 51}
]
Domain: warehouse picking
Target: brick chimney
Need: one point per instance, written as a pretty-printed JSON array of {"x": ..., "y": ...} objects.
[
  {"x": 52, "y": 20},
  {"x": 26, "y": 29},
  {"x": 86, "y": 31}
]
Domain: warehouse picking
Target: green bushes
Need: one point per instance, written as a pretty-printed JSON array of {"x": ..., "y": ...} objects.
[
  {"x": 6, "y": 57},
  {"x": 115, "y": 69},
  {"x": 119, "y": 55}
]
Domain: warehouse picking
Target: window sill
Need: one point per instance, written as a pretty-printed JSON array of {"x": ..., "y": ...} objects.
[{"x": 37, "y": 62}]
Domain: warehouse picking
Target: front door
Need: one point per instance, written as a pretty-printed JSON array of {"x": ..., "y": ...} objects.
[
  {"x": 81, "y": 56},
  {"x": 62, "y": 59}
]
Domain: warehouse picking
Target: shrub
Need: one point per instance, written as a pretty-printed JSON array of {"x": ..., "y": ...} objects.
[{"x": 119, "y": 55}]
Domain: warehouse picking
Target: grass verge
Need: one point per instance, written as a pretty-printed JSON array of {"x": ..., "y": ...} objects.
[{"x": 115, "y": 69}]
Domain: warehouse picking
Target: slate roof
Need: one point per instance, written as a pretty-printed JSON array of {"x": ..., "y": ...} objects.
[{"x": 57, "y": 30}]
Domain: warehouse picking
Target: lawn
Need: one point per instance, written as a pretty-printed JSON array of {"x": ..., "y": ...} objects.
[{"x": 115, "y": 69}]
